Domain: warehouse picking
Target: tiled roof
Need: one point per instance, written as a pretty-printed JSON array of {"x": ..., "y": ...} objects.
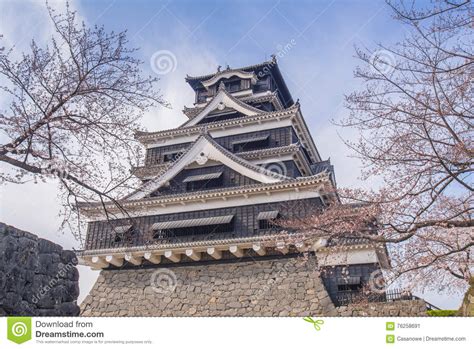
[
  {"x": 322, "y": 166},
  {"x": 146, "y": 187},
  {"x": 208, "y": 76},
  {"x": 235, "y": 100},
  {"x": 347, "y": 241},
  {"x": 196, "y": 222},
  {"x": 215, "y": 193},
  {"x": 268, "y": 97},
  {"x": 155, "y": 170},
  {"x": 144, "y": 136},
  {"x": 202, "y": 177},
  {"x": 267, "y": 215},
  {"x": 251, "y": 139}
]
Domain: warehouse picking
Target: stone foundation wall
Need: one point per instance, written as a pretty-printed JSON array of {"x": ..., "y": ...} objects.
[
  {"x": 37, "y": 277},
  {"x": 397, "y": 308},
  {"x": 282, "y": 287}
]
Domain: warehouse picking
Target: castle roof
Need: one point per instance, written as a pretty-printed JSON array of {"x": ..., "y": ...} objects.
[
  {"x": 201, "y": 151},
  {"x": 259, "y": 70},
  {"x": 151, "y": 171},
  {"x": 223, "y": 99}
]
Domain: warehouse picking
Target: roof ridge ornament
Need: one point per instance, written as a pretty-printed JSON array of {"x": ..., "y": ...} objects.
[
  {"x": 208, "y": 76},
  {"x": 201, "y": 158}
]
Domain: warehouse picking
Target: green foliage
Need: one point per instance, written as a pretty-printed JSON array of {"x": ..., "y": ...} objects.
[{"x": 442, "y": 312}]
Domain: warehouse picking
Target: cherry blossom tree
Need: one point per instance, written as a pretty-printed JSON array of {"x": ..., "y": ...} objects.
[
  {"x": 414, "y": 117},
  {"x": 73, "y": 107}
]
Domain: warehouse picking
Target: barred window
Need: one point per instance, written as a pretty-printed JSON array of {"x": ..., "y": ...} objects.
[
  {"x": 267, "y": 219},
  {"x": 171, "y": 156}
]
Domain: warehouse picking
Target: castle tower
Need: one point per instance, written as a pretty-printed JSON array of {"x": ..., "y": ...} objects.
[{"x": 206, "y": 217}]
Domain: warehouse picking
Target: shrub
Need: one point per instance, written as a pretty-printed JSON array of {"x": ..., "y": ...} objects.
[{"x": 442, "y": 312}]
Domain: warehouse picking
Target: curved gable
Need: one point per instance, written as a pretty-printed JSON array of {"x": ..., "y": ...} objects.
[
  {"x": 220, "y": 101},
  {"x": 203, "y": 150},
  {"x": 226, "y": 74}
]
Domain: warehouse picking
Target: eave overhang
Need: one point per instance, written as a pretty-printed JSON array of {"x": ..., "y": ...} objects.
[
  {"x": 191, "y": 79},
  {"x": 281, "y": 243},
  {"x": 293, "y": 113},
  {"x": 205, "y": 149},
  {"x": 222, "y": 99},
  {"x": 354, "y": 254},
  {"x": 268, "y": 67},
  {"x": 148, "y": 172},
  {"x": 267, "y": 96},
  {"x": 151, "y": 137},
  {"x": 318, "y": 183},
  {"x": 228, "y": 73}
]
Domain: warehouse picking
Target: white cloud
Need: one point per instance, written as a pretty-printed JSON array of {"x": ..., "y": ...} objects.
[
  {"x": 34, "y": 23},
  {"x": 35, "y": 207},
  {"x": 173, "y": 85}
]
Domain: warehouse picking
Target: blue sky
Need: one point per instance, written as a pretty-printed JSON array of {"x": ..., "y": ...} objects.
[{"x": 314, "y": 41}]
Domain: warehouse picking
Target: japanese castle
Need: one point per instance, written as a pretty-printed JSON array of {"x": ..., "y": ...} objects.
[{"x": 214, "y": 189}]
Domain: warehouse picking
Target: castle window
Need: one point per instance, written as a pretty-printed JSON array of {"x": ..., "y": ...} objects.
[
  {"x": 172, "y": 155},
  {"x": 196, "y": 226},
  {"x": 233, "y": 85},
  {"x": 251, "y": 143},
  {"x": 121, "y": 232},
  {"x": 220, "y": 117},
  {"x": 201, "y": 95},
  {"x": 203, "y": 181},
  {"x": 266, "y": 219},
  {"x": 245, "y": 84},
  {"x": 263, "y": 84},
  {"x": 265, "y": 106}
]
